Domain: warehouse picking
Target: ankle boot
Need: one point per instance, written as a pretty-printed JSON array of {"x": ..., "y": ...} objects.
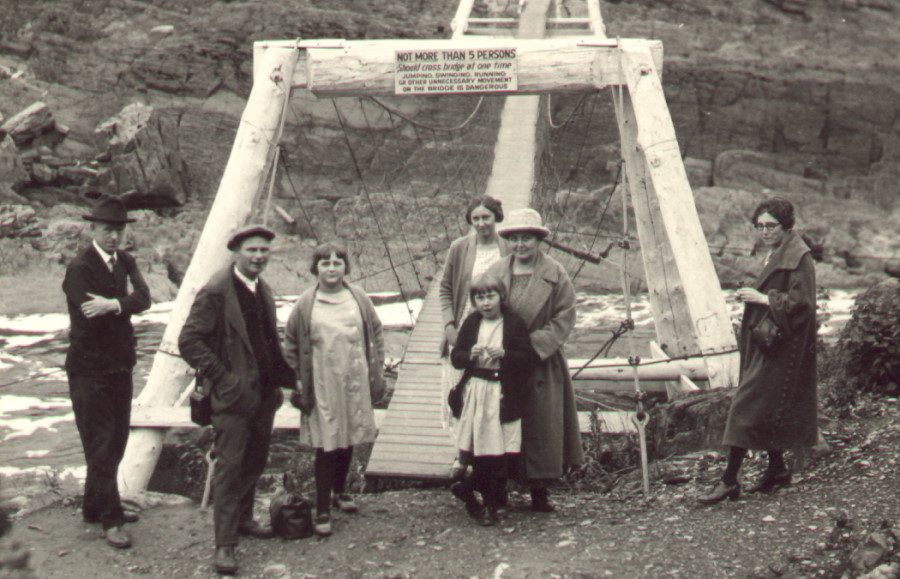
[
  {"x": 720, "y": 492},
  {"x": 540, "y": 501},
  {"x": 771, "y": 481},
  {"x": 462, "y": 491},
  {"x": 488, "y": 517}
]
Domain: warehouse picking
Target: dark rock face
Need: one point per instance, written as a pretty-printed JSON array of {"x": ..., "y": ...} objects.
[{"x": 787, "y": 96}]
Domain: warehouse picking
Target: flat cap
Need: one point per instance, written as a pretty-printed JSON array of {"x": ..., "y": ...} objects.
[{"x": 252, "y": 230}]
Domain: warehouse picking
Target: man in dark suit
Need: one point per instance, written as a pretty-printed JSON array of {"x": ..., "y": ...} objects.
[
  {"x": 231, "y": 339},
  {"x": 100, "y": 359}
]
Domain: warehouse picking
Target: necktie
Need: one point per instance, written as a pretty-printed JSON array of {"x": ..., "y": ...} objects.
[{"x": 112, "y": 263}]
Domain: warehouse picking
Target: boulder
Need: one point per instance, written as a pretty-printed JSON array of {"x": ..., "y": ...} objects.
[
  {"x": 28, "y": 124},
  {"x": 145, "y": 158},
  {"x": 875, "y": 548},
  {"x": 691, "y": 423},
  {"x": 18, "y": 221},
  {"x": 13, "y": 175}
]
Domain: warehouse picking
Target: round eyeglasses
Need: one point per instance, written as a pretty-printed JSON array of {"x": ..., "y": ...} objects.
[{"x": 767, "y": 226}]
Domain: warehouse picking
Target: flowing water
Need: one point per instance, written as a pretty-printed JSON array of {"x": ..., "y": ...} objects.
[{"x": 38, "y": 439}]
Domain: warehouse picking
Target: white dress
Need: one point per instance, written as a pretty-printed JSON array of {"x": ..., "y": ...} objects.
[
  {"x": 485, "y": 257},
  {"x": 343, "y": 413},
  {"x": 479, "y": 429}
]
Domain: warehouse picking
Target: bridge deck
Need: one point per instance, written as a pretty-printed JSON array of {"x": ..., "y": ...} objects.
[{"x": 412, "y": 441}]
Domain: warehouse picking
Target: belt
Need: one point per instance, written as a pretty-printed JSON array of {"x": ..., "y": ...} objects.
[{"x": 486, "y": 374}]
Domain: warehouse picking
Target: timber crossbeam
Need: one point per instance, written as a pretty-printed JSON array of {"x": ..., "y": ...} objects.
[{"x": 335, "y": 68}]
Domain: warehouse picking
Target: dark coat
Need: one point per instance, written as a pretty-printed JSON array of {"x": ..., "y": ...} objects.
[
  {"x": 518, "y": 361},
  {"x": 214, "y": 341},
  {"x": 775, "y": 404},
  {"x": 551, "y": 437},
  {"x": 103, "y": 344}
]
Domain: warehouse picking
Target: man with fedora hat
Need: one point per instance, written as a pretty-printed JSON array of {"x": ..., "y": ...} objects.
[
  {"x": 100, "y": 360},
  {"x": 231, "y": 339}
]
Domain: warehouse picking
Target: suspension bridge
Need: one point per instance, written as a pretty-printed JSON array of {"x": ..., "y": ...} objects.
[{"x": 549, "y": 48}]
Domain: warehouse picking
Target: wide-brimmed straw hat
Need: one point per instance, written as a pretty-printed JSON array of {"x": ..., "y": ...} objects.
[
  {"x": 109, "y": 210},
  {"x": 254, "y": 230},
  {"x": 525, "y": 219}
]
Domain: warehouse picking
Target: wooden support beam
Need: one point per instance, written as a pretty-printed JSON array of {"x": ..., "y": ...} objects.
[
  {"x": 366, "y": 67},
  {"x": 597, "y": 25},
  {"x": 651, "y": 369},
  {"x": 460, "y": 22},
  {"x": 685, "y": 294},
  {"x": 288, "y": 418},
  {"x": 240, "y": 185}
]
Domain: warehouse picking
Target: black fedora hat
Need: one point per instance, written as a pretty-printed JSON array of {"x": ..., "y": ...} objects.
[
  {"x": 243, "y": 233},
  {"x": 110, "y": 210}
]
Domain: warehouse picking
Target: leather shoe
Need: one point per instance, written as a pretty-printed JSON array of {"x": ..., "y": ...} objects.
[
  {"x": 540, "y": 501},
  {"x": 224, "y": 561},
  {"x": 721, "y": 492},
  {"x": 770, "y": 481},
  {"x": 459, "y": 490},
  {"x": 488, "y": 517},
  {"x": 117, "y": 537},
  {"x": 322, "y": 526},
  {"x": 345, "y": 503},
  {"x": 252, "y": 528}
]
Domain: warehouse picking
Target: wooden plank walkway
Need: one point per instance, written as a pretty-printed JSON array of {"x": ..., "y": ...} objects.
[{"x": 412, "y": 441}]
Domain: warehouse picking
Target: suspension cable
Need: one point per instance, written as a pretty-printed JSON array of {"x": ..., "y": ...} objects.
[
  {"x": 390, "y": 192},
  {"x": 365, "y": 190}
]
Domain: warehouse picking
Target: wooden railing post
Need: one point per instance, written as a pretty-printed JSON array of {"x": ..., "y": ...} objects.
[{"x": 240, "y": 185}]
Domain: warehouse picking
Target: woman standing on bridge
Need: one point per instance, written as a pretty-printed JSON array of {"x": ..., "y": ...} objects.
[
  {"x": 775, "y": 404},
  {"x": 542, "y": 294},
  {"x": 468, "y": 257},
  {"x": 334, "y": 342}
]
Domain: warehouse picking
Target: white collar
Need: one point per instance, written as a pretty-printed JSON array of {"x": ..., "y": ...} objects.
[
  {"x": 103, "y": 255},
  {"x": 250, "y": 283}
]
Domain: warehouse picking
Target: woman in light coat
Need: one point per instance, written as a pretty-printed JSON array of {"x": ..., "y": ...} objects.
[
  {"x": 334, "y": 342},
  {"x": 468, "y": 257}
]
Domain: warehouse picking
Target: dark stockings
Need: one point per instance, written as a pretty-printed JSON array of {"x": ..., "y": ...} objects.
[
  {"x": 331, "y": 470},
  {"x": 735, "y": 460},
  {"x": 484, "y": 478},
  {"x": 776, "y": 462}
]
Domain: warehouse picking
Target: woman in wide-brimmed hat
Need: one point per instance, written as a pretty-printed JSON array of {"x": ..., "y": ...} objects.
[{"x": 541, "y": 292}]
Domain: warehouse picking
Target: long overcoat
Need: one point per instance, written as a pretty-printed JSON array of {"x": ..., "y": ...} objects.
[
  {"x": 456, "y": 277},
  {"x": 551, "y": 439},
  {"x": 775, "y": 403},
  {"x": 298, "y": 345}
]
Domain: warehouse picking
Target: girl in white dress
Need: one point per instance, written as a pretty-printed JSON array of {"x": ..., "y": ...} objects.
[{"x": 495, "y": 354}]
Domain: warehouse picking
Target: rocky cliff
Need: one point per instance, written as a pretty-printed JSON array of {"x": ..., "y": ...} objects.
[{"x": 799, "y": 98}]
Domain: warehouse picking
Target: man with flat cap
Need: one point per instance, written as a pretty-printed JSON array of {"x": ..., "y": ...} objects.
[
  {"x": 231, "y": 339},
  {"x": 100, "y": 360}
]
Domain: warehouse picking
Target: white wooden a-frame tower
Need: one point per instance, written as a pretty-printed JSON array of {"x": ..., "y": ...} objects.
[{"x": 685, "y": 295}]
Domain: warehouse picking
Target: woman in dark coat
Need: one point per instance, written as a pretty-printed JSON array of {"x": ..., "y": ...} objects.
[
  {"x": 542, "y": 294},
  {"x": 775, "y": 404}
]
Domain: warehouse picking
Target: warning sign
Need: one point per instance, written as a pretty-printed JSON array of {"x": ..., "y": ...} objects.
[{"x": 455, "y": 71}]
